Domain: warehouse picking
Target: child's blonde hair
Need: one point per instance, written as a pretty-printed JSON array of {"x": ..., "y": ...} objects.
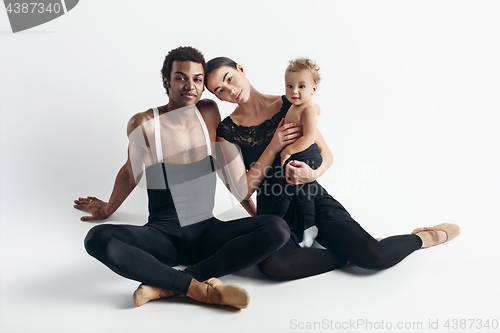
[{"x": 298, "y": 64}]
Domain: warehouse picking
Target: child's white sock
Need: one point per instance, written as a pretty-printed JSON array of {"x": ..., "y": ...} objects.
[{"x": 309, "y": 236}]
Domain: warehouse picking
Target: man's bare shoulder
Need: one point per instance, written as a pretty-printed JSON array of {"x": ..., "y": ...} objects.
[
  {"x": 210, "y": 111},
  {"x": 138, "y": 119},
  {"x": 208, "y": 106}
]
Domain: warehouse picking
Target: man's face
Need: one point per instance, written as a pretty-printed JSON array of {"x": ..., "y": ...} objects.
[{"x": 186, "y": 84}]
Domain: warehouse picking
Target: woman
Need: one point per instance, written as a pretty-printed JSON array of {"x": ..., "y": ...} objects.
[{"x": 256, "y": 126}]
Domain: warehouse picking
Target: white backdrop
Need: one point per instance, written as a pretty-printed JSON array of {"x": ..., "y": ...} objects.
[{"x": 410, "y": 108}]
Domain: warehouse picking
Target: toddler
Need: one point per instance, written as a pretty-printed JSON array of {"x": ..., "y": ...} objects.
[{"x": 301, "y": 81}]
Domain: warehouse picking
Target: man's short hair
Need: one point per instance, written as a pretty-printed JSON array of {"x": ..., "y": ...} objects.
[
  {"x": 298, "y": 64},
  {"x": 182, "y": 53}
]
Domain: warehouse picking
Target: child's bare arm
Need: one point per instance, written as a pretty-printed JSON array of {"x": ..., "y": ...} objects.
[{"x": 318, "y": 109}]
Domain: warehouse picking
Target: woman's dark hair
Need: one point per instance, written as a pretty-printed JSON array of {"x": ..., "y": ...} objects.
[
  {"x": 183, "y": 53},
  {"x": 216, "y": 63}
]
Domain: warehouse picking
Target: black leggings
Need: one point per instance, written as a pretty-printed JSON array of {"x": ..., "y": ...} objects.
[
  {"x": 344, "y": 240},
  {"x": 303, "y": 192},
  {"x": 212, "y": 247}
]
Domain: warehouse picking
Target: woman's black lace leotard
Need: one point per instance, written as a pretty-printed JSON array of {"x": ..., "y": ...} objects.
[{"x": 339, "y": 233}]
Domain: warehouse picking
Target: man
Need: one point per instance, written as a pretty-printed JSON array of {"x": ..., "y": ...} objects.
[{"x": 174, "y": 143}]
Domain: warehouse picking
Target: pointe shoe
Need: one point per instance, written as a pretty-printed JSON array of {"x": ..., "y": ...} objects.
[
  {"x": 451, "y": 230},
  {"x": 144, "y": 294},
  {"x": 230, "y": 294}
]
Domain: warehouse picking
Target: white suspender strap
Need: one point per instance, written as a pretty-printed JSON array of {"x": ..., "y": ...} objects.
[
  {"x": 159, "y": 151},
  {"x": 205, "y": 131}
]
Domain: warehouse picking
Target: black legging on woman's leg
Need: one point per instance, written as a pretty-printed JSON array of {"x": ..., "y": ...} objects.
[
  {"x": 344, "y": 239},
  {"x": 293, "y": 262},
  {"x": 352, "y": 242}
]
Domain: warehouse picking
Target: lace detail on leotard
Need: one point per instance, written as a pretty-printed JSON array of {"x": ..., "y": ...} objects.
[{"x": 250, "y": 136}]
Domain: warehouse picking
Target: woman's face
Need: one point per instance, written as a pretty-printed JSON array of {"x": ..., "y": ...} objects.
[{"x": 229, "y": 84}]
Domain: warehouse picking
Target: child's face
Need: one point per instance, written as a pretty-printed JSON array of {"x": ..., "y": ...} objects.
[{"x": 300, "y": 86}]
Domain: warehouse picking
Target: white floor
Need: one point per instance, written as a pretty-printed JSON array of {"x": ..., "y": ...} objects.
[
  {"x": 49, "y": 284},
  {"x": 410, "y": 110}
]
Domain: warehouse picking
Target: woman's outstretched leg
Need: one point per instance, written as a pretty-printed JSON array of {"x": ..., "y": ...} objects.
[
  {"x": 352, "y": 242},
  {"x": 293, "y": 262}
]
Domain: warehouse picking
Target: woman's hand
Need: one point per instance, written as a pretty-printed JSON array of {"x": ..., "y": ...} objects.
[
  {"x": 94, "y": 206},
  {"x": 298, "y": 172},
  {"x": 285, "y": 134}
]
